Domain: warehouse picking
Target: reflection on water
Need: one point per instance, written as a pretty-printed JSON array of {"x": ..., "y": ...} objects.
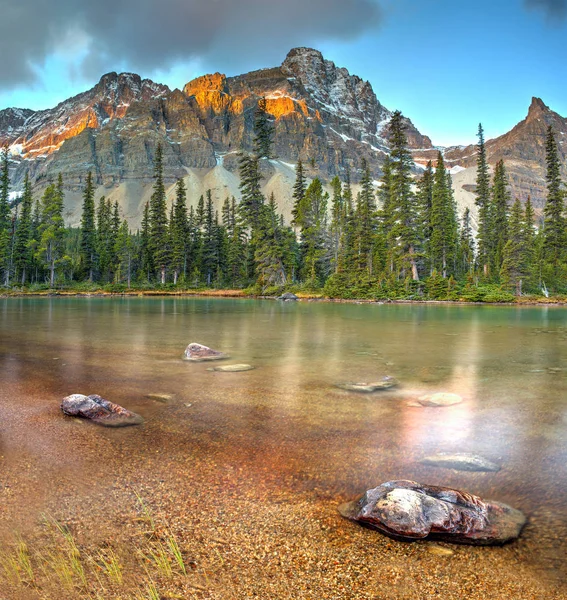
[{"x": 284, "y": 420}]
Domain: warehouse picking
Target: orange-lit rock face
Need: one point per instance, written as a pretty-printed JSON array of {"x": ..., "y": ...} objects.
[
  {"x": 278, "y": 107},
  {"x": 43, "y": 144},
  {"x": 210, "y": 92}
]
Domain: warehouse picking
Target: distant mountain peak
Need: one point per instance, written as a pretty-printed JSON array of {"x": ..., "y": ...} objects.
[{"x": 537, "y": 107}]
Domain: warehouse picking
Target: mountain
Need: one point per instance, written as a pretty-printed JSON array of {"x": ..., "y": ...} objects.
[{"x": 322, "y": 114}]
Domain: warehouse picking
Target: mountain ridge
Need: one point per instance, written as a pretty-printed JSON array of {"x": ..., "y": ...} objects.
[{"x": 322, "y": 114}]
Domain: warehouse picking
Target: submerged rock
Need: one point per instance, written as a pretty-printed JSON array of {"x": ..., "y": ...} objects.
[
  {"x": 383, "y": 384},
  {"x": 409, "y": 511},
  {"x": 99, "y": 410},
  {"x": 287, "y": 297},
  {"x": 439, "y": 399},
  {"x": 198, "y": 352},
  {"x": 461, "y": 461},
  {"x": 161, "y": 397},
  {"x": 232, "y": 368}
]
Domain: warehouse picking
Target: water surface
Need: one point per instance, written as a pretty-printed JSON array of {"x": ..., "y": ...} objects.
[{"x": 283, "y": 429}]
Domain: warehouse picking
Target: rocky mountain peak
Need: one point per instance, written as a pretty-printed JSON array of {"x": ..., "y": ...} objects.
[{"x": 537, "y": 108}]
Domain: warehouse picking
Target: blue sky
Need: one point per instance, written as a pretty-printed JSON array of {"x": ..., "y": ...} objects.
[{"x": 446, "y": 65}]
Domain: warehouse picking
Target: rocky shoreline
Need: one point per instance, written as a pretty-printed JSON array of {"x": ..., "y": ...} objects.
[{"x": 528, "y": 301}]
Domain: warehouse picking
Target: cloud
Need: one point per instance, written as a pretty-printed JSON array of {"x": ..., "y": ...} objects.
[
  {"x": 151, "y": 35},
  {"x": 553, "y": 8}
]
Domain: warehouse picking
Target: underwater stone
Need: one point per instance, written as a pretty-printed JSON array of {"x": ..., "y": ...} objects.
[
  {"x": 99, "y": 411},
  {"x": 409, "y": 511},
  {"x": 198, "y": 352}
]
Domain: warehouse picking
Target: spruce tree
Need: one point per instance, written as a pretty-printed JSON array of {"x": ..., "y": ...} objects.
[
  {"x": 179, "y": 231},
  {"x": 312, "y": 221},
  {"x": 51, "y": 230},
  {"x": 402, "y": 237},
  {"x": 515, "y": 257},
  {"x": 263, "y": 131},
  {"x": 530, "y": 236},
  {"x": 465, "y": 262},
  {"x": 24, "y": 232},
  {"x": 338, "y": 217},
  {"x": 158, "y": 231},
  {"x": 210, "y": 252},
  {"x": 555, "y": 236},
  {"x": 299, "y": 188},
  {"x": 123, "y": 251},
  {"x": 88, "y": 230},
  {"x": 499, "y": 217},
  {"x": 443, "y": 242},
  {"x": 5, "y": 221},
  {"x": 274, "y": 248},
  {"x": 146, "y": 262},
  {"x": 424, "y": 207},
  {"x": 236, "y": 249},
  {"x": 251, "y": 193},
  {"x": 483, "y": 204},
  {"x": 367, "y": 223}
]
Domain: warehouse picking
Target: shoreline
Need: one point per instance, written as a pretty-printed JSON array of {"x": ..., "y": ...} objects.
[{"x": 528, "y": 301}]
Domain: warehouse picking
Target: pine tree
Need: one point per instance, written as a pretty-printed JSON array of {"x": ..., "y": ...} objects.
[
  {"x": 402, "y": 237},
  {"x": 299, "y": 188},
  {"x": 5, "y": 221},
  {"x": 123, "y": 251},
  {"x": 252, "y": 197},
  {"x": 274, "y": 245},
  {"x": 146, "y": 263},
  {"x": 483, "y": 204},
  {"x": 195, "y": 245},
  {"x": 443, "y": 242},
  {"x": 200, "y": 215},
  {"x": 158, "y": 230},
  {"x": 424, "y": 207},
  {"x": 555, "y": 236},
  {"x": 312, "y": 221},
  {"x": 263, "y": 131},
  {"x": 51, "y": 229},
  {"x": 367, "y": 223},
  {"x": 530, "y": 236},
  {"x": 24, "y": 232},
  {"x": 515, "y": 258},
  {"x": 338, "y": 218},
  {"x": 466, "y": 246},
  {"x": 88, "y": 230},
  {"x": 499, "y": 217},
  {"x": 236, "y": 250},
  {"x": 210, "y": 254},
  {"x": 179, "y": 231}
]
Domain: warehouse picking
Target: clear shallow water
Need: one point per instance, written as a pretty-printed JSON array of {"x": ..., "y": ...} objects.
[{"x": 284, "y": 422}]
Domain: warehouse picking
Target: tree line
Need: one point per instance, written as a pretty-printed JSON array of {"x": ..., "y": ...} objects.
[{"x": 399, "y": 237}]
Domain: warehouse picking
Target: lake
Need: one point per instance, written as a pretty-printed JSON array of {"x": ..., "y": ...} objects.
[{"x": 247, "y": 469}]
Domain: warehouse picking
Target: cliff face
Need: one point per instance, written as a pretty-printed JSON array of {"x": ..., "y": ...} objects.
[{"x": 322, "y": 114}]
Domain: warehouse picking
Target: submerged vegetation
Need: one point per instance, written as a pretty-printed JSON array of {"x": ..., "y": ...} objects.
[
  {"x": 400, "y": 239},
  {"x": 56, "y": 565}
]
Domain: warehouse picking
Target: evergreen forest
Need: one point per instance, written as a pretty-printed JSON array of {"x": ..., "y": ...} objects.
[{"x": 400, "y": 239}]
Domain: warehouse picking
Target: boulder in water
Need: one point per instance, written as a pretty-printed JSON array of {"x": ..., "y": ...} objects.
[
  {"x": 439, "y": 399},
  {"x": 461, "y": 461},
  {"x": 198, "y": 353},
  {"x": 383, "y": 384},
  {"x": 232, "y": 368},
  {"x": 99, "y": 410},
  {"x": 409, "y": 511},
  {"x": 287, "y": 297},
  {"x": 161, "y": 397}
]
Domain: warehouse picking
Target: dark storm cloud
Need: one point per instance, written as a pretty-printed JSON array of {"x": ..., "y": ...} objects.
[
  {"x": 145, "y": 35},
  {"x": 553, "y": 8}
]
